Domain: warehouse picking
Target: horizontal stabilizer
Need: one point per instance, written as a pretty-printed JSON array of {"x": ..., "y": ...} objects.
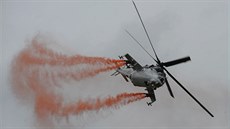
[
  {"x": 125, "y": 78},
  {"x": 115, "y": 73},
  {"x": 177, "y": 61}
]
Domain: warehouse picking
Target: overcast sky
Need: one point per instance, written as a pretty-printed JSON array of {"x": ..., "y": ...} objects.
[{"x": 177, "y": 28}]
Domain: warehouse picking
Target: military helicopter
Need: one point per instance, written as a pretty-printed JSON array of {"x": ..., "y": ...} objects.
[{"x": 151, "y": 76}]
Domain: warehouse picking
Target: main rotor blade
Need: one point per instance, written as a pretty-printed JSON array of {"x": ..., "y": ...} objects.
[
  {"x": 177, "y": 61},
  {"x": 146, "y": 31},
  {"x": 169, "y": 88},
  {"x": 159, "y": 63},
  {"x": 187, "y": 91},
  {"x": 139, "y": 44}
]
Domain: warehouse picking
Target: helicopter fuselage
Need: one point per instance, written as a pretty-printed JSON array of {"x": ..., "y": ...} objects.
[{"x": 148, "y": 76}]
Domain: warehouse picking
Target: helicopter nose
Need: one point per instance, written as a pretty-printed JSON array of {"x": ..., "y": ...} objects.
[
  {"x": 159, "y": 82},
  {"x": 156, "y": 83},
  {"x": 162, "y": 80}
]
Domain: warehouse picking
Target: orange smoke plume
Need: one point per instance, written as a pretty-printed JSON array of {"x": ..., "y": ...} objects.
[
  {"x": 49, "y": 104},
  {"x": 36, "y": 69},
  {"x": 37, "y": 54},
  {"x": 50, "y": 64}
]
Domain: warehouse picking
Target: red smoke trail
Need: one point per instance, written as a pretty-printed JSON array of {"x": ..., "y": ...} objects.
[
  {"x": 36, "y": 69},
  {"x": 119, "y": 100},
  {"x": 37, "y": 57},
  {"x": 54, "y": 106},
  {"x": 47, "y": 103},
  {"x": 47, "y": 56}
]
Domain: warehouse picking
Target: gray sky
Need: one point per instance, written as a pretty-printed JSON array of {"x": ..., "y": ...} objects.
[{"x": 194, "y": 28}]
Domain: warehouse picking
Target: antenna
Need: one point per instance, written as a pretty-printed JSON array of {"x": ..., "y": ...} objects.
[
  {"x": 146, "y": 31},
  {"x": 139, "y": 44}
]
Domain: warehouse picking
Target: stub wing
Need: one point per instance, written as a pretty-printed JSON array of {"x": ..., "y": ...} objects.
[
  {"x": 151, "y": 95},
  {"x": 133, "y": 63}
]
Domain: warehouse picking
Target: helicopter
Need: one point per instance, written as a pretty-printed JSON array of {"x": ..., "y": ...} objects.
[{"x": 151, "y": 77}]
